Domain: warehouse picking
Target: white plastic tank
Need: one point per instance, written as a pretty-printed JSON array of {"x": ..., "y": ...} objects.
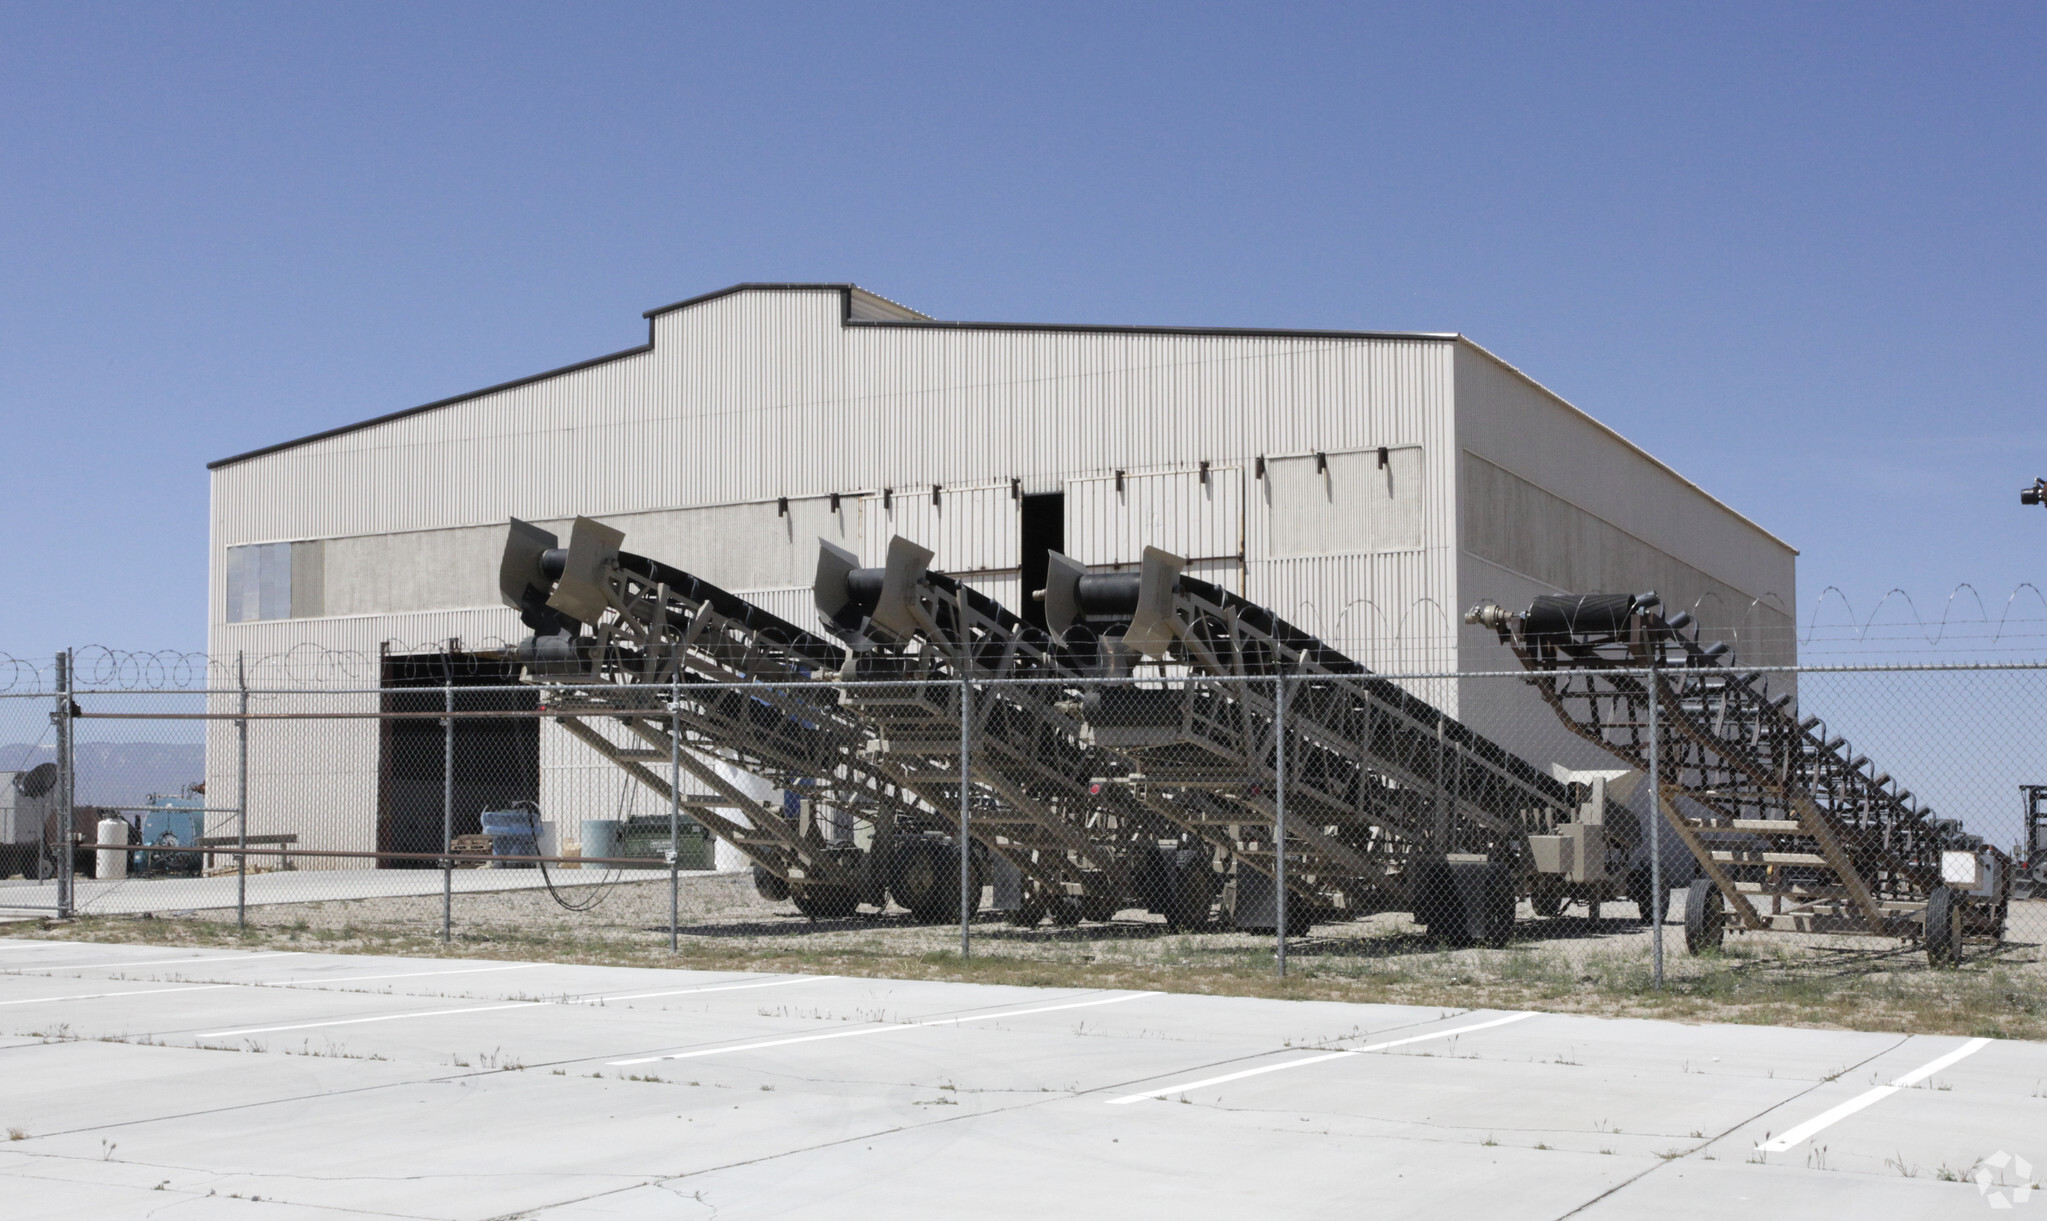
[{"x": 111, "y": 862}]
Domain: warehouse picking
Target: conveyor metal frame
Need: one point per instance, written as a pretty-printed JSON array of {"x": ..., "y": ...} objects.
[{"x": 1795, "y": 830}]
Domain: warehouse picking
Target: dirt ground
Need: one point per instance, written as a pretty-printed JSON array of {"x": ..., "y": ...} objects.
[{"x": 1563, "y": 964}]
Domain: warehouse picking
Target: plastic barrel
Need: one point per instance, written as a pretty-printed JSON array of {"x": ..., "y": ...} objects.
[
  {"x": 111, "y": 862},
  {"x": 600, "y": 837}
]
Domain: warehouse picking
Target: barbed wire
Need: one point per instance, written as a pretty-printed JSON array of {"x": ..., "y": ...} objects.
[{"x": 1368, "y": 629}]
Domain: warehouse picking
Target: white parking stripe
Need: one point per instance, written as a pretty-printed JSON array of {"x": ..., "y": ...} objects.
[
  {"x": 363, "y": 979},
  {"x": 163, "y": 962},
  {"x": 1127, "y": 1099},
  {"x": 1827, "y": 1119},
  {"x": 646, "y": 996},
  {"x": 393, "y": 1017},
  {"x": 382, "y": 1017},
  {"x": 93, "y": 996},
  {"x": 891, "y": 1029}
]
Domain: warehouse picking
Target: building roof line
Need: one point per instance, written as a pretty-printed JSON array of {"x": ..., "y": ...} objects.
[
  {"x": 451, "y": 400},
  {"x": 1610, "y": 431},
  {"x": 846, "y": 319}
]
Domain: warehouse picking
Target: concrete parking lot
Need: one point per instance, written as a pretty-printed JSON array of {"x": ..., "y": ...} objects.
[{"x": 147, "y": 1081}]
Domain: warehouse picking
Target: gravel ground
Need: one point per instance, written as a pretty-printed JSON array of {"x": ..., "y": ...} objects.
[{"x": 1561, "y": 964}]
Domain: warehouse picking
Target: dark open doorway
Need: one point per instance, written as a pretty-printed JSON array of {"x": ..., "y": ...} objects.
[
  {"x": 497, "y": 761},
  {"x": 1044, "y": 529}
]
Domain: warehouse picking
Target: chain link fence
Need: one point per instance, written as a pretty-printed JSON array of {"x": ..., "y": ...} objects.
[{"x": 1672, "y": 821}]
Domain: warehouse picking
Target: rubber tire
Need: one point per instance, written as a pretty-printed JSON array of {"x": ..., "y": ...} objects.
[
  {"x": 1030, "y": 911},
  {"x": 1194, "y": 887},
  {"x": 1639, "y": 882},
  {"x": 1705, "y": 917},
  {"x": 925, "y": 879},
  {"x": 827, "y": 902},
  {"x": 1943, "y": 928},
  {"x": 1065, "y": 911},
  {"x": 1546, "y": 898},
  {"x": 916, "y": 879},
  {"x": 1152, "y": 880},
  {"x": 1437, "y": 907},
  {"x": 1496, "y": 894},
  {"x": 1100, "y": 908},
  {"x": 770, "y": 887}
]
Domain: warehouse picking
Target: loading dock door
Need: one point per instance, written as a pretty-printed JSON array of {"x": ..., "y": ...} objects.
[{"x": 497, "y": 761}]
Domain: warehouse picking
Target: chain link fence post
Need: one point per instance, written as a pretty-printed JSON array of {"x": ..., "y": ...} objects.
[
  {"x": 1279, "y": 744},
  {"x": 241, "y": 794},
  {"x": 448, "y": 804},
  {"x": 966, "y": 800},
  {"x": 675, "y": 816},
  {"x": 1658, "y": 901},
  {"x": 66, "y": 783}
]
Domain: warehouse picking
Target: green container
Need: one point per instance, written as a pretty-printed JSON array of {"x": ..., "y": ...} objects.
[{"x": 647, "y": 836}]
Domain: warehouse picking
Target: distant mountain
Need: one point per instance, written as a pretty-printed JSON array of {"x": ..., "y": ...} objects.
[{"x": 118, "y": 773}]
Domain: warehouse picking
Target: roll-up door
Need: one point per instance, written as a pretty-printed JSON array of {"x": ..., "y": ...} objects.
[
  {"x": 1191, "y": 515},
  {"x": 969, "y": 527},
  {"x": 1344, "y": 503}
]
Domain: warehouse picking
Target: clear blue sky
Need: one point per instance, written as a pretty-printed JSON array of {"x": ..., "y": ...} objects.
[{"x": 1794, "y": 250}]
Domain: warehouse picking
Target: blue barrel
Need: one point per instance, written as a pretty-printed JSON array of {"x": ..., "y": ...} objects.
[
  {"x": 512, "y": 833},
  {"x": 600, "y": 836}
]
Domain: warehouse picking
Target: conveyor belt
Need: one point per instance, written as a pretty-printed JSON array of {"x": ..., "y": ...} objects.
[
  {"x": 620, "y": 635},
  {"x": 1384, "y": 789},
  {"x": 1793, "y": 829},
  {"x": 919, "y": 639}
]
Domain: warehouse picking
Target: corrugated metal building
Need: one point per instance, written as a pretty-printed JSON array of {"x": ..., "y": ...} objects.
[{"x": 1368, "y": 486}]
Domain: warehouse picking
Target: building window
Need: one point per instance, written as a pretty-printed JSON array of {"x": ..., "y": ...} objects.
[{"x": 274, "y": 581}]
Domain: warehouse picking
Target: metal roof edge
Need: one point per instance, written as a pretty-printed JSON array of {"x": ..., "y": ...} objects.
[
  {"x": 789, "y": 286},
  {"x": 1110, "y": 329},
  {"x": 846, "y": 319},
  {"x": 450, "y": 401},
  {"x": 1610, "y": 431}
]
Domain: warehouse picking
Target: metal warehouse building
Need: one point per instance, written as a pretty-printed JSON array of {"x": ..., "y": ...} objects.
[{"x": 1367, "y": 486}]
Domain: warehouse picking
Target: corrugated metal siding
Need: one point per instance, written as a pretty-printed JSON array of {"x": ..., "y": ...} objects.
[
  {"x": 759, "y": 395},
  {"x": 763, "y": 394},
  {"x": 1176, "y": 510},
  {"x": 1386, "y": 611},
  {"x": 972, "y": 527}
]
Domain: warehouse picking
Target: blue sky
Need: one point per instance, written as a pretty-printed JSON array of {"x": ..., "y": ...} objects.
[{"x": 1795, "y": 251}]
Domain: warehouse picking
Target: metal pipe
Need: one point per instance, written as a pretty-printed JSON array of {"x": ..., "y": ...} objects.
[
  {"x": 646, "y": 862},
  {"x": 966, "y": 800},
  {"x": 674, "y": 816},
  {"x": 66, "y": 787},
  {"x": 1279, "y": 818},
  {"x": 1657, "y": 899},
  {"x": 448, "y": 808},
  {"x": 241, "y": 796}
]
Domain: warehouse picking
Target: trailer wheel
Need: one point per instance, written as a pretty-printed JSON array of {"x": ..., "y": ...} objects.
[
  {"x": 1705, "y": 917},
  {"x": 1494, "y": 898},
  {"x": 1100, "y": 908},
  {"x": 1065, "y": 911},
  {"x": 1193, "y": 887},
  {"x": 1437, "y": 907},
  {"x": 1546, "y": 897},
  {"x": 924, "y": 878},
  {"x": 770, "y": 887},
  {"x": 1652, "y": 912},
  {"x": 1031, "y": 906},
  {"x": 1943, "y": 928},
  {"x": 826, "y": 902}
]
